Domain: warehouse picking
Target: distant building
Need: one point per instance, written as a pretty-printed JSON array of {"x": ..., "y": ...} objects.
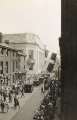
[
  {"x": 10, "y": 63},
  {"x": 34, "y": 50}
]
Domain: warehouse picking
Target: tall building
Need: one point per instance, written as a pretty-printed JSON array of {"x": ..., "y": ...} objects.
[
  {"x": 68, "y": 49},
  {"x": 34, "y": 50}
]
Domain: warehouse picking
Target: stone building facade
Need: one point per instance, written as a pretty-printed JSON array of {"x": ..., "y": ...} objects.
[
  {"x": 10, "y": 63},
  {"x": 34, "y": 50}
]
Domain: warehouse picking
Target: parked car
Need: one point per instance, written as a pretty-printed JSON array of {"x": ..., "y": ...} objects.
[
  {"x": 36, "y": 82},
  {"x": 28, "y": 88}
]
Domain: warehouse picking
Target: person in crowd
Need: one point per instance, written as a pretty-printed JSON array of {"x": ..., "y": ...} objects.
[
  {"x": 22, "y": 91},
  {"x": 42, "y": 90},
  {"x": 4, "y": 96},
  {"x": 16, "y": 102},
  {"x": 2, "y": 106},
  {"x": 7, "y": 105},
  {"x": 10, "y": 97}
]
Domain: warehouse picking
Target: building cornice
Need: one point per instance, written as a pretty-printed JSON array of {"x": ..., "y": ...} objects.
[
  {"x": 30, "y": 43},
  {"x": 7, "y": 47}
]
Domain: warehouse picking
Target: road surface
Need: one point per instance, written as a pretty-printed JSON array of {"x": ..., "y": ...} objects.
[{"x": 26, "y": 113}]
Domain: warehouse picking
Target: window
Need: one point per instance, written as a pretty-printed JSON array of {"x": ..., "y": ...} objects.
[
  {"x": 16, "y": 64},
  {"x": 46, "y": 53},
  {"x": 1, "y": 67},
  {"x": 31, "y": 54},
  {"x": 7, "y": 52},
  {"x": 2, "y": 51},
  {"x": 24, "y": 58},
  {"x": 6, "y": 67},
  {"x": 13, "y": 53},
  {"x": 24, "y": 66},
  {"x": 31, "y": 67},
  {"x": 13, "y": 66},
  {"x": 16, "y": 54}
]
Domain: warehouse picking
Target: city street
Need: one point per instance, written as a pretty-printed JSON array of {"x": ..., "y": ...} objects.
[
  {"x": 28, "y": 104},
  {"x": 26, "y": 113},
  {"x": 32, "y": 59}
]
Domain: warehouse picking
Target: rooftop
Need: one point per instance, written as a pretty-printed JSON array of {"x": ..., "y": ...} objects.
[
  {"x": 23, "y": 38},
  {"x": 4, "y": 45}
]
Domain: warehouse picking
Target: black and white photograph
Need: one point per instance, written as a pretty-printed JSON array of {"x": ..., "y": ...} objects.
[{"x": 38, "y": 59}]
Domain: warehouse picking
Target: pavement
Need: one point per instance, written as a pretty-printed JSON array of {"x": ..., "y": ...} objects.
[
  {"x": 12, "y": 112},
  {"x": 31, "y": 105},
  {"x": 26, "y": 103},
  {"x": 58, "y": 109}
]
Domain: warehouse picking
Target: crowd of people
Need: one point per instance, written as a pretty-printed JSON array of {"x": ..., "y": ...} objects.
[
  {"x": 47, "y": 108},
  {"x": 52, "y": 86},
  {"x": 10, "y": 96}
]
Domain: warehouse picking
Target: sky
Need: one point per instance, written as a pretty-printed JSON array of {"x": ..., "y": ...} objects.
[{"x": 42, "y": 17}]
